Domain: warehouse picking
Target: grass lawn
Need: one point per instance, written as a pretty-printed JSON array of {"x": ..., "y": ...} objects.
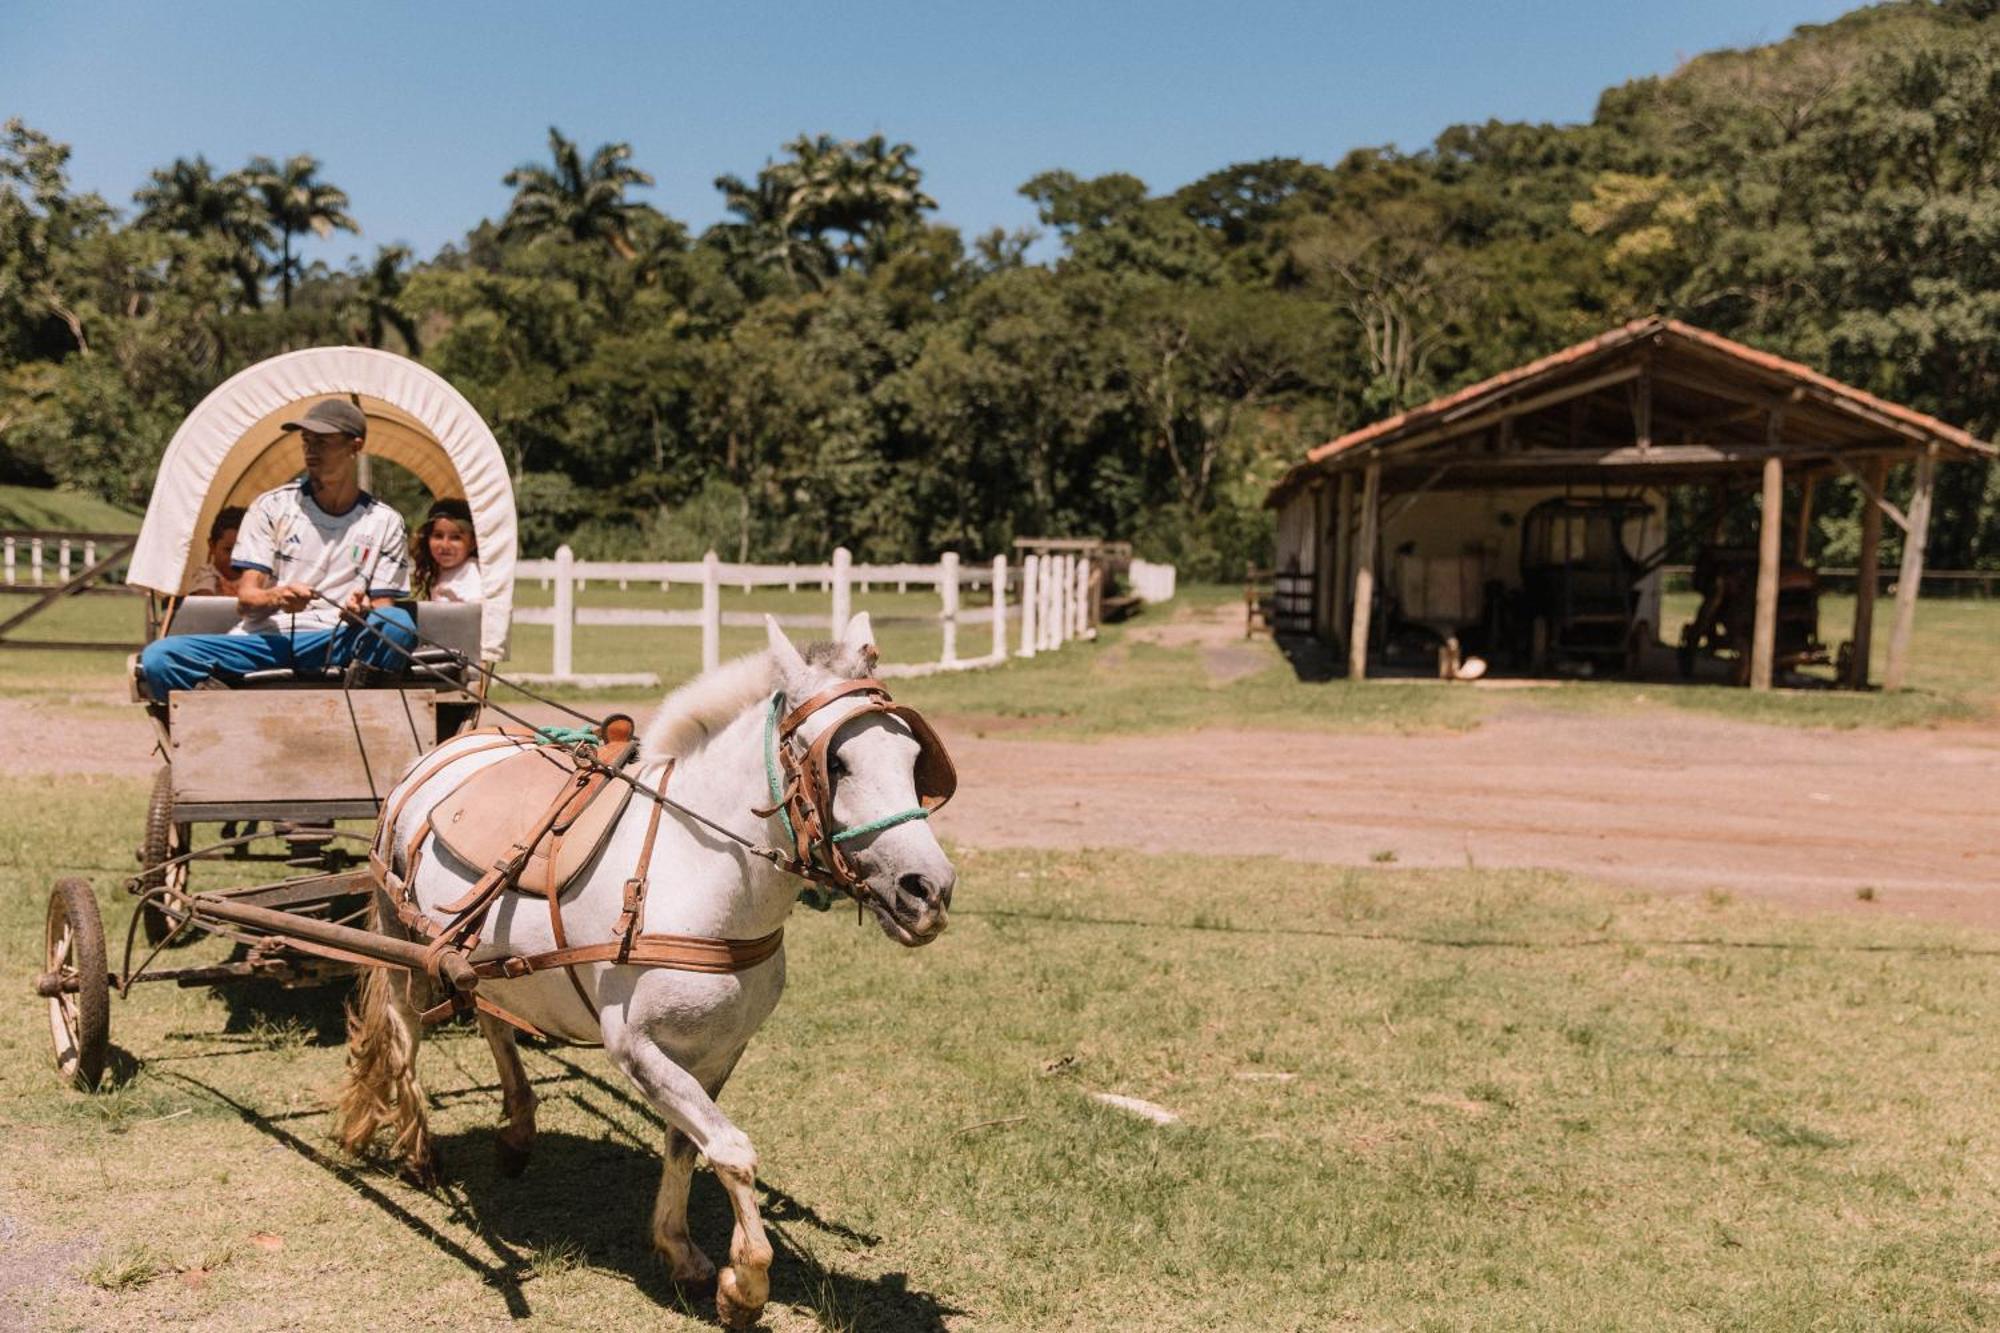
[
  {"x": 1408, "y": 1100},
  {"x": 61, "y": 511}
]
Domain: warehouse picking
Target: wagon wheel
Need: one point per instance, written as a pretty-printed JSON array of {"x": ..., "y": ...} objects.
[
  {"x": 165, "y": 840},
  {"x": 79, "y": 1019}
]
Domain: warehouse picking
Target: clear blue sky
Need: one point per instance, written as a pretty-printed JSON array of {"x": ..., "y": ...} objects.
[{"x": 417, "y": 109}]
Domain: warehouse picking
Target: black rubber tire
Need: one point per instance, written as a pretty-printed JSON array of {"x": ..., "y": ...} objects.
[
  {"x": 80, "y": 1020},
  {"x": 164, "y": 839}
]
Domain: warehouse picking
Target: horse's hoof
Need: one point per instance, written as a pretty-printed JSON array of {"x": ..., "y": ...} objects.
[
  {"x": 512, "y": 1158},
  {"x": 731, "y": 1304},
  {"x": 687, "y": 1266},
  {"x": 423, "y": 1172}
]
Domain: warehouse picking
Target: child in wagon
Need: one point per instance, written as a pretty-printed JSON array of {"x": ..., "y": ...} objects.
[{"x": 444, "y": 555}]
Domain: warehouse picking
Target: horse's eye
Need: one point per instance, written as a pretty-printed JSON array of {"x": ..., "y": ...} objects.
[{"x": 836, "y": 766}]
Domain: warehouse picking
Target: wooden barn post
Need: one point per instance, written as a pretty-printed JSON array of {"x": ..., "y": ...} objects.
[
  {"x": 1770, "y": 522},
  {"x": 1364, "y": 571},
  {"x": 1343, "y": 553},
  {"x": 1868, "y": 575},
  {"x": 1911, "y": 575}
]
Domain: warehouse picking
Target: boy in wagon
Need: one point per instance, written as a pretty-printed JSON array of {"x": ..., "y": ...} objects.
[{"x": 306, "y": 551}]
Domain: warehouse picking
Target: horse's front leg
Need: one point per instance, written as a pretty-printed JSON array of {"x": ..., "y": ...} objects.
[
  {"x": 742, "y": 1288},
  {"x": 685, "y": 1261}
]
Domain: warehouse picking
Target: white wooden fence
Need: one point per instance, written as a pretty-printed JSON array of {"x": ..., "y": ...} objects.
[
  {"x": 29, "y": 556},
  {"x": 1053, "y": 604}
]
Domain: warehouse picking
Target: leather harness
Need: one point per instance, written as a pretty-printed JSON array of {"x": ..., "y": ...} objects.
[{"x": 805, "y": 799}]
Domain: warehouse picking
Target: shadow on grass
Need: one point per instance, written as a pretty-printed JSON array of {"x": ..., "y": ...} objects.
[{"x": 558, "y": 1203}]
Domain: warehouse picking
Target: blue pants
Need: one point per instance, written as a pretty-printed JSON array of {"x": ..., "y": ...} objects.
[{"x": 184, "y": 661}]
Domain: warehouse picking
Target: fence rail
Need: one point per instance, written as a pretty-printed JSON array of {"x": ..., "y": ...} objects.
[
  {"x": 35, "y": 559},
  {"x": 1945, "y": 582},
  {"x": 1054, "y": 594}
]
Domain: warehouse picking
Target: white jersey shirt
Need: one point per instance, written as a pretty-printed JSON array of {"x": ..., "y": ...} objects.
[
  {"x": 459, "y": 585},
  {"x": 292, "y": 540}
]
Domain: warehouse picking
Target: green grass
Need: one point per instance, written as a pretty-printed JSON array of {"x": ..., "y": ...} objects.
[
  {"x": 61, "y": 511},
  {"x": 1409, "y": 1100}
]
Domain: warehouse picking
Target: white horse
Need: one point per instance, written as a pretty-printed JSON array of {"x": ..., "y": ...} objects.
[{"x": 675, "y": 1034}]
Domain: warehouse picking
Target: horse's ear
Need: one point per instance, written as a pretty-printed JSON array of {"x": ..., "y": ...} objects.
[
  {"x": 860, "y": 640},
  {"x": 791, "y": 666}
]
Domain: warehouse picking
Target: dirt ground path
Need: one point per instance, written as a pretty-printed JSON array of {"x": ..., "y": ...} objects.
[{"x": 1663, "y": 800}]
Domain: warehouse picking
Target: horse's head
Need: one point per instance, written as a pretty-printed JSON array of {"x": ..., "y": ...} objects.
[{"x": 867, "y": 773}]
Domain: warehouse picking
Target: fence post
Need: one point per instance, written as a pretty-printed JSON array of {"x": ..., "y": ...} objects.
[
  {"x": 711, "y": 611},
  {"x": 999, "y": 608},
  {"x": 62, "y": 561},
  {"x": 1054, "y": 574},
  {"x": 1080, "y": 609},
  {"x": 9, "y": 556},
  {"x": 948, "y": 594},
  {"x": 565, "y": 613},
  {"x": 35, "y": 559},
  {"x": 843, "y": 595},
  {"x": 1029, "y": 594}
]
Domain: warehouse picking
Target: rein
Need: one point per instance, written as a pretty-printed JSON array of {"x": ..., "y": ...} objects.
[{"x": 798, "y": 800}]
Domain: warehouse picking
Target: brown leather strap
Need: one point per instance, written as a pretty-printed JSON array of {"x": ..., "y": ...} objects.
[
  {"x": 683, "y": 953},
  {"x": 632, "y": 911},
  {"x": 866, "y": 684}
]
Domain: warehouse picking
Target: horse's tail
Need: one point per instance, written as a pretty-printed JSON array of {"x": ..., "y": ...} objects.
[{"x": 379, "y": 1088}]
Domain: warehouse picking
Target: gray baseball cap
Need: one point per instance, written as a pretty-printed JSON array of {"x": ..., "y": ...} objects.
[{"x": 332, "y": 416}]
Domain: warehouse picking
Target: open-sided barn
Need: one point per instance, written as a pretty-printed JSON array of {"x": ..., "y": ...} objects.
[{"x": 1530, "y": 507}]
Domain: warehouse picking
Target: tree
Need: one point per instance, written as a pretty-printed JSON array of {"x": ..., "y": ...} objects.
[
  {"x": 378, "y": 295},
  {"x": 583, "y": 202},
  {"x": 189, "y": 199},
  {"x": 296, "y": 201}
]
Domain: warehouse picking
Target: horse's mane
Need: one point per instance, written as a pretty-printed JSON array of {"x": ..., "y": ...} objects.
[{"x": 693, "y": 713}]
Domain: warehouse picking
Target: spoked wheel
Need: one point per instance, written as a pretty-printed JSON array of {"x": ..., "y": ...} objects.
[
  {"x": 165, "y": 840},
  {"x": 77, "y": 984}
]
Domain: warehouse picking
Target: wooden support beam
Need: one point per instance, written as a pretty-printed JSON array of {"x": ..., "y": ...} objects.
[
  {"x": 1770, "y": 523},
  {"x": 1866, "y": 577},
  {"x": 1404, "y": 501},
  {"x": 1911, "y": 575},
  {"x": 1343, "y": 553},
  {"x": 1642, "y": 413},
  {"x": 1364, "y": 572},
  {"x": 1873, "y": 490},
  {"x": 1802, "y": 534}
]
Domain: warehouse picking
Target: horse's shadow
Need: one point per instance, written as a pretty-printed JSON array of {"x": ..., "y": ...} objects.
[{"x": 588, "y": 1199}]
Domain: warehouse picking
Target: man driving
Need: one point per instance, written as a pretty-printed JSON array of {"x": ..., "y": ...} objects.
[{"x": 306, "y": 551}]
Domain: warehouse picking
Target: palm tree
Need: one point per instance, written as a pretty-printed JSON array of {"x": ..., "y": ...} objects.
[
  {"x": 189, "y": 199},
  {"x": 584, "y": 202},
  {"x": 377, "y": 294},
  {"x": 297, "y": 201},
  {"x": 770, "y": 231},
  {"x": 867, "y": 189}
]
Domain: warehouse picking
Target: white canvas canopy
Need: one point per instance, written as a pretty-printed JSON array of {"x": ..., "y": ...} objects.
[{"x": 231, "y": 449}]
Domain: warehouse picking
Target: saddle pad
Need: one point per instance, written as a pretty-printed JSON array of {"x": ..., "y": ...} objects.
[{"x": 485, "y": 816}]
